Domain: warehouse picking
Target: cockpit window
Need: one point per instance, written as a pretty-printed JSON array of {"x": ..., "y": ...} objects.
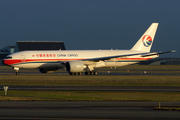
[{"x": 8, "y": 58}]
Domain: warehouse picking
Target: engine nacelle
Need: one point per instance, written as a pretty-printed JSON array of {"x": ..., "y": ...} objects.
[
  {"x": 47, "y": 70},
  {"x": 75, "y": 66}
]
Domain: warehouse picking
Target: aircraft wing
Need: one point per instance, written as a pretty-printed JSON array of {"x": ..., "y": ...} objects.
[
  {"x": 157, "y": 53},
  {"x": 110, "y": 57},
  {"x": 142, "y": 55}
]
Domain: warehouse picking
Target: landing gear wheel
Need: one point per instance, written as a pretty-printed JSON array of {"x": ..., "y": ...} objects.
[
  {"x": 17, "y": 73},
  {"x": 80, "y": 73},
  {"x": 95, "y": 72},
  {"x": 91, "y": 73},
  {"x": 75, "y": 73},
  {"x": 87, "y": 73}
]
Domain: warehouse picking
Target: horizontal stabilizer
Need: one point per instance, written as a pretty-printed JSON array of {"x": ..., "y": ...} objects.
[{"x": 157, "y": 53}]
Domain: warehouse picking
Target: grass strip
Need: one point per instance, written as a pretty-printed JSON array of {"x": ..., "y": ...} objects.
[
  {"x": 168, "y": 108},
  {"x": 30, "y": 95},
  {"x": 61, "y": 77},
  {"x": 107, "y": 80},
  {"x": 129, "y": 67}
]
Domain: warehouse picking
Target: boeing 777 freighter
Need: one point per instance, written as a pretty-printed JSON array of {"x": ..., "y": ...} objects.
[{"x": 78, "y": 61}]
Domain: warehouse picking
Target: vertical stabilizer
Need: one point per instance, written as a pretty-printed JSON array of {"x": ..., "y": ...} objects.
[{"x": 146, "y": 40}]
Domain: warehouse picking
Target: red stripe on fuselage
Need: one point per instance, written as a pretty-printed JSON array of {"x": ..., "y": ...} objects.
[
  {"x": 17, "y": 61},
  {"x": 11, "y": 62}
]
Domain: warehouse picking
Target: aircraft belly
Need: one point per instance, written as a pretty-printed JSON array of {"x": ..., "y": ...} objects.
[
  {"x": 117, "y": 64},
  {"x": 27, "y": 65},
  {"x": 111, "y": 63},
  {"x": 51, "y": 65},
  {"x": 39, "y": 65}
]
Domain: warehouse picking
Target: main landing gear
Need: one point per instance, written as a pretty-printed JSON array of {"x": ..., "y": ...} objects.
[
  {"x": 91, "y": 73},
  {"x": 86, "y": 73},
  {"x": 75, "y": 73}
]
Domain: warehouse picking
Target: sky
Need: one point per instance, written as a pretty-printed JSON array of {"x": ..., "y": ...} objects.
[{"x": 91, "y": 24}]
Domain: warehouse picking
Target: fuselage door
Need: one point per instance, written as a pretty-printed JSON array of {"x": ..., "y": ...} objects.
[{"x": 23, "y": 58}]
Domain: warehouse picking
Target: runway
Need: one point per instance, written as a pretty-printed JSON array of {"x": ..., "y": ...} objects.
[
  {"x": 86, "y": 110},
  {"x": 111, "y": 72},
  {"x": 94, "y": 88},
  {"x": 75, "y": 110}
]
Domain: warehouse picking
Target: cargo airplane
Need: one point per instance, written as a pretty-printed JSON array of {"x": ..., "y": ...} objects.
[{"x": 78, "y": 61}]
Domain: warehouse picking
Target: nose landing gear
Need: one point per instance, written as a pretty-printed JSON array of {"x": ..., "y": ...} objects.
[
  {"x": 17, "y": 73},
  {"x": 17, "y": 70}
]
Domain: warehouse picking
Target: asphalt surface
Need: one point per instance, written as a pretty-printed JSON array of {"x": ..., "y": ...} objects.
[
  {"x": 87, "y": 110},
  {"x": 94, "y": 88},
  {"x": 111, "y": 72}
]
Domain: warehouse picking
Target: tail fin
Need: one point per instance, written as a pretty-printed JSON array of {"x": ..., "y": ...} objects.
[{"x": 146, "y": 40}]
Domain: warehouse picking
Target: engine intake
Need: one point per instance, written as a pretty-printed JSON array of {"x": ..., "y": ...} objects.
[{"x": 75, "y": 66}]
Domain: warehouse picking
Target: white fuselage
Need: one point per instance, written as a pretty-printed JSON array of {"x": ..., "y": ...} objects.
[{"x": 38, "y": 59}]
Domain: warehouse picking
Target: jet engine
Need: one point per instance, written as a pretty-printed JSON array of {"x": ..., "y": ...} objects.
[{"x": 75, "y": 66}]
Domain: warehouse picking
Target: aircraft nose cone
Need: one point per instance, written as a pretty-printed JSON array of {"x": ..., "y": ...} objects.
[{"x": 2, "y": 61}]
